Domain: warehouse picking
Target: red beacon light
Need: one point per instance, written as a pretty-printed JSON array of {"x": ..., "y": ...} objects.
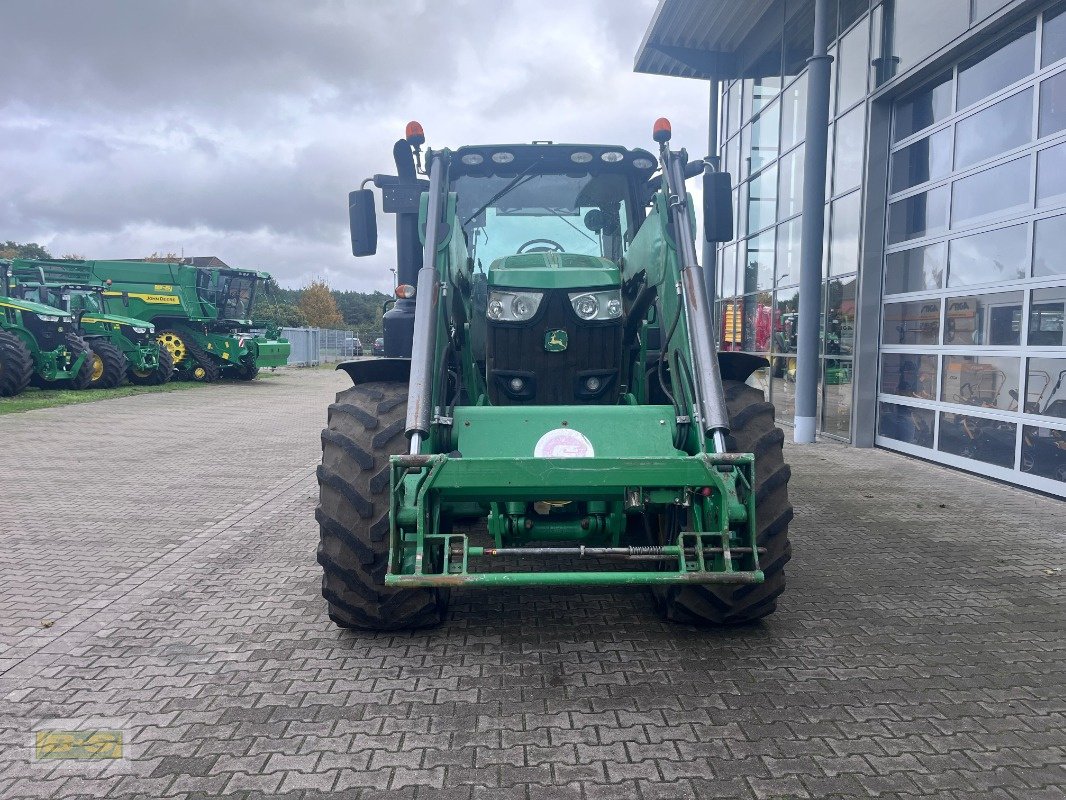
[
  {"x": 405, "y": 291},
  {"x": 414, "y": 134},
  {"x": 661, "y": 131}
]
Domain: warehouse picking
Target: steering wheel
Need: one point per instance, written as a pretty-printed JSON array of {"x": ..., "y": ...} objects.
[{"x": 541, "y": 246}]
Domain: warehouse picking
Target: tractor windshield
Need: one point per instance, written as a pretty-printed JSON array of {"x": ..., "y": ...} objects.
[
  {"x": 235, "y": 297},
  {"x": 507, "y": 214}
]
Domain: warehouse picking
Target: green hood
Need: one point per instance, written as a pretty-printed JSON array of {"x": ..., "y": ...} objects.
[
  {"x": 133, "y": 322},
  {"x": 35, "y": 308},
  {"x": 553, "y": 271}
]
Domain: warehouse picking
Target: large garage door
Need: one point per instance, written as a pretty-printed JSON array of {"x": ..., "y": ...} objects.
[{"x": 973, "y": 355}]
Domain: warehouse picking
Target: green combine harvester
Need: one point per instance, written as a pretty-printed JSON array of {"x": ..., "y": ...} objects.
[
  {"x": 122, "y": 347},
  {"x": 201, "y": 315},
  {"x": 551, "y": 410},
  {"x": 39, "y": 344}
]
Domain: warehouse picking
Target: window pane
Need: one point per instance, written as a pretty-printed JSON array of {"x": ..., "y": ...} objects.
[
  {"x": 756, "y": 314},
  {"x": 766, "y": 88},
  {"x": 727, "y": 272},
  {"x": 851, "y": 73},
  {"x": 923, "y": 108},
  {"x": 734, "y": 107},
  {"x": 840, "y": 317},
  {"x": 909, "y": 375},
  {"x": 794, "y": 113},
  {"x": 988, "y": 440},
  {"x": 1051, "y": 177},
  {"x": 1008, "y": 60},
  {"x": 925, "y": 160},
  {"x": 1045, "y": 387},
  {"x": 764, "y": 137},
  {"x": 997, "y": 129},
  {"x": 996, "y": 256},
  {"x": 799, "y": 37},
  {"x": 1053, "y": 104},
  {"x": 731, "y": 314},
  {"x": 1046, "y": 313},
  {"x": 1044, "y": 452},
  {"x": 987, "y": 319},
  {"x": 1054, "y": 46},
  {"x": 762, "y": 199},
  {"x": 1049, "y": 256},
  {"x": 836, "y": 410},
  {"x": 991, "y": 193},
  {"x": 847, "y": 152},
  {"x": 844, "y": 245},
  {"x": 915, "y": 270},
  {"x": 923, "y": 214},
  {"x": 788, "y": 252},
  {"x": 915, "y": 29},
  {"x": 784, "y": 338},
  {"x": 916, "y": 322},
  {"x": 985, "y": 381},
  {"x": 790, "y": 184},
  {"x": 905, "y": 424},
  {"x": 759, "y": 269},
  {"x": 851, "y": 10}
]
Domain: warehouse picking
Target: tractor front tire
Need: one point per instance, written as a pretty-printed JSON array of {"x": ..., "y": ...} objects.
[
  {"x": 108, "y": 366},
  {"x": 246, "y": 370},
  {"x": 365, "y": 427},
  {"x": 154, "y": 377},
  {"x": 16, "y": 365},
  {"x": 76, "y": 346},
  {"x": 752, "y": 430}
]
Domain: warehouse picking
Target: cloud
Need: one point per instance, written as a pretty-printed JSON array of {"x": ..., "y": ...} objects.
[{"x": 236, "y": 129}]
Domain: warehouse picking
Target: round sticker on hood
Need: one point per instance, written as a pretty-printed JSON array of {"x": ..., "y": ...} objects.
[{"x": 563, "y": 443}]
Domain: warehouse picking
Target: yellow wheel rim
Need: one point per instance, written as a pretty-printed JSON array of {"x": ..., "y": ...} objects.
[
  {"x": 173, "y": 343},
  {"x": 199, "y": 373},
  {"x": 98, "y": 368}
]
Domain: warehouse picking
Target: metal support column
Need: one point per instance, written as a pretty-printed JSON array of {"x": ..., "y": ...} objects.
[
  {"x": 710, "y": 249},
  {"x": 810, "y": 288}
]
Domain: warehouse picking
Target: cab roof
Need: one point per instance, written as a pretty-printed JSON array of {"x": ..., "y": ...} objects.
[{"x": 548, "y": 157}]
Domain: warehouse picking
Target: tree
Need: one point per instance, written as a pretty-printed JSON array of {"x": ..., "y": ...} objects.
[
  {"x": 319, "y": 307},
  {"x": 10, "y": 249}
]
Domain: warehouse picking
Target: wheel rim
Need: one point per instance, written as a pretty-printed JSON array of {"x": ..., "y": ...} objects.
[
  {"x": 141, "y": 373},
  {"x": 173, "y": 343},
  {"x": 199, "y": 373},
  {"x": 98, "y": 368}
]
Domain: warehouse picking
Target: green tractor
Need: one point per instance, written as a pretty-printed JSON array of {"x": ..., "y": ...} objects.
[
  {"x": 122, "y": 347},
  {"x": 39, "y": 345},
  {"x": 551, "y": 409},
  {"x": 202, "y": 315}
]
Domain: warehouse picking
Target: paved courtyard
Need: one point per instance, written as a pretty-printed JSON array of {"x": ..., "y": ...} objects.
[{"x": 157, "y": 578}]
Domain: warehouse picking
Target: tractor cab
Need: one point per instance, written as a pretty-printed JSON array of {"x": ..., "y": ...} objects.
[
  {"x": 547, "y": 227},
  {"x": 229, "y": 293}
]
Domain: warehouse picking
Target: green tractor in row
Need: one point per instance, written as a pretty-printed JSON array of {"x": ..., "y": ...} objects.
[
  {"x": 122, "y": 347},
  {"x": 551, "y": 409},
  {"x": 202, "y": 315},
  {"x": 39, "y": 344}
]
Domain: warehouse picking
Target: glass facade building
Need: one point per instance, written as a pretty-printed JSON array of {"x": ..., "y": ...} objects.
[{"x": 944, "y": 249}]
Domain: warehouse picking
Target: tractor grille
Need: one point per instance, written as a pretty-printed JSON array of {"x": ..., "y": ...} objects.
[{"x": 517, "y": 350}]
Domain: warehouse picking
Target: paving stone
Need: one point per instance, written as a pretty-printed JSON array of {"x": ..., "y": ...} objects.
[{"x": 912, "y": 655}]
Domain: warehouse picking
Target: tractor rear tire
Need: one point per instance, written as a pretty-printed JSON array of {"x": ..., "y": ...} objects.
[
  {"x": 752, "y": 430},
  {"x": 76, "y": 346},
  {"x": 365, "y": 427},
  {"x": 108, "y": 366},
  {"x": 16, "y": 365},
  {"x": 161, "y": 374}
]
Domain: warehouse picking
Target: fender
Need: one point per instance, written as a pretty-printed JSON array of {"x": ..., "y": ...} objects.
[
  {"x": 736, "y": 366},
  {"x": 372, "y": 370}
]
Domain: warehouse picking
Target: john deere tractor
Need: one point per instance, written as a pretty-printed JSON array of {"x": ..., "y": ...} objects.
[
  {"x": 551, "y": 410},
  {"x": 202, "y": 316},
  {"x": 39, "y": 344},
  {"x": 122, "y": 347}
]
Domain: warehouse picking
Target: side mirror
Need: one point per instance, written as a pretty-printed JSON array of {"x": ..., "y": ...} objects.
[
  {"x": 364, "y": 222},
  {"x": 717, "y": 207}
]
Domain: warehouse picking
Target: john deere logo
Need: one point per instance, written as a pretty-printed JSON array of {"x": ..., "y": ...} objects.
[{"x": 555, "y": 341}]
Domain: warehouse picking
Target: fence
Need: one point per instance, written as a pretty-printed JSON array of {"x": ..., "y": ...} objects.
[{"x": 314, "y": 346}]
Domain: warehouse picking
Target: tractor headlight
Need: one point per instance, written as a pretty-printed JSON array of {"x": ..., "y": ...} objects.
[
  {"x": 513, "y": 306},
  {"x": 48, "y": 318},
  {"x": 140, "y": 330},
  {"x": 597, "y": 305}
]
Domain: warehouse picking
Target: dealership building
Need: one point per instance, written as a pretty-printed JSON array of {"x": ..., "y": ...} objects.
[{"x": 939, "y": 166}]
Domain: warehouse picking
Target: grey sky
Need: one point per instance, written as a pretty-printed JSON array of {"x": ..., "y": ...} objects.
[{"x": 236, "y": 128}]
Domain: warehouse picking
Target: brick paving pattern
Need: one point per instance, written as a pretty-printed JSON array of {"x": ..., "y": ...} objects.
[{"x": 919, "y": 650}]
